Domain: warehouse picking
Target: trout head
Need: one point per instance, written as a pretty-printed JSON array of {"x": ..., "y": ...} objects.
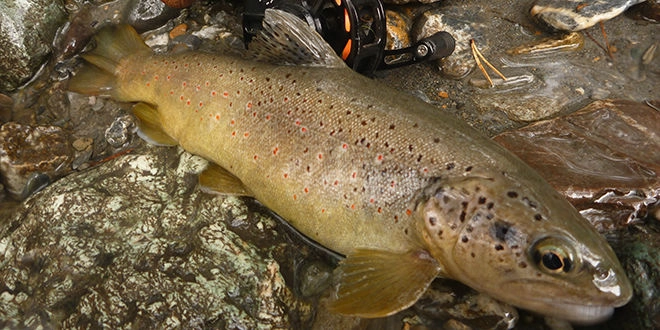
[{"x": 530, "y": 249}]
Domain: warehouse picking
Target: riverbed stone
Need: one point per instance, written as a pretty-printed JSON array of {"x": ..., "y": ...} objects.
[
  {"x": 132, "y": 243},
  {"x": 576, "y": 15},
  {"x": 27, "y": 29},
  {"x": 28, "y": 152}
]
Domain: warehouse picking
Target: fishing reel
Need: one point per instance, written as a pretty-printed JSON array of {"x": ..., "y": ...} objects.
[{"x": 355, "y": 29}]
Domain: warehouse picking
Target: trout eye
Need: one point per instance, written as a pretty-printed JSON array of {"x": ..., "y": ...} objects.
[{"x": 552, "y": 256}]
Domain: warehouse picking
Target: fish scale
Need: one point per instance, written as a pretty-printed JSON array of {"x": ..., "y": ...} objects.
[{"x": 404, "y": 191}]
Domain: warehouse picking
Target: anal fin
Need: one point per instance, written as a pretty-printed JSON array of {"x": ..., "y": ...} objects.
[
  {"x": 151, "y": 130},
  {"x": 216, "y": 179},
  {"x": 376, "y": 283}
]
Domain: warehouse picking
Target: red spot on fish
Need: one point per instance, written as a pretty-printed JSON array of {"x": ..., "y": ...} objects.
[
  {"x": 371, "y": 200},
  {"x": 276, "y": 150},
  {"x": 198, "y": 88},
  {"x": 171, "y": 92},
  {"x": 267, "y": 117},
  {"x": 238, "y": 92},
  {"x": 303, "y": 129},
  {"x": 286, "y": 175},
  {"x": 249, "y": 105},
  {"x": 148, "y": 84},
  {"x": 298, "y": 122},
  {"x": 169, "y": 78},
  {"x": 408, "y": 212},
  {"x": 354, "y": 175},
  {"x": 156, "y": 77},
  {"x": 188, "y": 102},
  {"x": 336, "y": 182},
  {"x": 254, "y": 114},
  {"x": 217, "y": 117},
  {"x": 295, "y": 197},
  {"x": 345, "y": 146},
  {"x": 181, "y": 97},
  {"x": 143, "y": 73},
  {"x": 214, "y": 93},
  {"x": 352, "y": 206},
  {"x": 201, "y": 104},
  {"x": 320, "y": 156},
  {"x": 380, "y": 210},
  {"x": 207, "y": 84},
  {"x": 392, "y": 184},
  {"x": 322, "y": 210},
  {"x": 184, "y": 84},
  {"x": 255, "y": 157},
  {"x": 379, "y": 158},
  {"x": 233, "y": 133},
  {"x": 225, "y": 94},
  {"x": 306, "y": 190},
  {"x": 246, "y": 134},
  {"x": 232, "y": 122}
]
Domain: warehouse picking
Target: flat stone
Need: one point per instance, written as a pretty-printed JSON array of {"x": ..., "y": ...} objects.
[
  {"x": 576, "y": 15},
  {"x": 607, "y": 154},
  {"x": 27, "y": 150}
]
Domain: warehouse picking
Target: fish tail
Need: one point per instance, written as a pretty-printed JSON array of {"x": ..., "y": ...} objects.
[{"x": 98, "y": 74}]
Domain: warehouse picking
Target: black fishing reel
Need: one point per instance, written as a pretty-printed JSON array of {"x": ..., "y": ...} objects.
[{"x": 356, "y": 30}]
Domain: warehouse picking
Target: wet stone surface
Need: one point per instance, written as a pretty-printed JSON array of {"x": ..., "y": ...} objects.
[
  {"x": 132, "y": 243},
  {"x": 126, "y": 240},
  {"x": 27, "y": 28}
]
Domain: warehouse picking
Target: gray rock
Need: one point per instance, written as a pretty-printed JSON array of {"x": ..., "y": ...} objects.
[
  {"x": 27, "y": 29},
  {"x": 576, "y": 15},
  {"x": 132, "y": 244}
]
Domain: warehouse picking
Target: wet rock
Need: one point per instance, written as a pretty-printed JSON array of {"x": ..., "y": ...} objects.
[
  {"x": 460, "y": 23},
  {"x": 576, "y": 15},
  {"x": 120, "y": 132},
  {"x": 133, "y": 243},
  {"x": 145, "y": 15},
  {"x": 606, "y": 157},
  {"x": 26, "y": 151},
  {"x": 648, "y": 10},
  {"x": 27, "y": 29}
]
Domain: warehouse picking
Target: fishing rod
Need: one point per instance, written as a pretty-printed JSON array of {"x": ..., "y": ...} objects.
[{"x": 356, "y": 30}]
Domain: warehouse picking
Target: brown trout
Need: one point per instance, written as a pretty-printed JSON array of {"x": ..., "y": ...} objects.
[{"x": 405, "y": 192}]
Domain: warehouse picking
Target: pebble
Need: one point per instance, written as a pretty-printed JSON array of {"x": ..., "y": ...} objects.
[
  {"x": 146, "y": 15},
  {"x": 120, "y": 132},
  {"x": 576, "y": 15}
]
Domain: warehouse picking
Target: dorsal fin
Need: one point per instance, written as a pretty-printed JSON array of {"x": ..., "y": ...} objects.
[{"x": 286, "y": 40}]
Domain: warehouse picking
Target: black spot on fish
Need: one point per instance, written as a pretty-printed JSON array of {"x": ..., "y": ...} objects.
[
  {"x": 522, "y": 264},
  {"x": 462, "y": 216},
  {"x": 436, "y": 140},
  {"x": 433, "y": 221},
  {"x": 512, "y": 194},
  {"x": 499, "y": 247},
  {"x": 482, "y": 200},
  {"x": 529, "y": 202},
  {"x": 450, "y": 166},
  {"x": 468, "y": 169},
  {"x": 464, "y": 239},
  {"x": 490, "y": 205},
  {"x": 472, "y": 254},
  {"x": 500, "y": 230},
  {"x": 538, "y": 217}
]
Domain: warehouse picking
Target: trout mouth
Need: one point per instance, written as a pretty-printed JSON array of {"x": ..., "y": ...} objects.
[{"x": 585, "y": 312}]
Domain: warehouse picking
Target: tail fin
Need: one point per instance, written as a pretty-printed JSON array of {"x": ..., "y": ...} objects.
[{"x": 97, "y": 76}]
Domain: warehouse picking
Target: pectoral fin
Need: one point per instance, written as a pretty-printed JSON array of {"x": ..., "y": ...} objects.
[
  {"x": 217, "y": 180},
  {"x": 150, "y": 127},
  {"x": 375, "y": 283}
]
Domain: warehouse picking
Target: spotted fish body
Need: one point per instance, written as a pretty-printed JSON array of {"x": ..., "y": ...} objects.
[{"x": 406, "y": 192}]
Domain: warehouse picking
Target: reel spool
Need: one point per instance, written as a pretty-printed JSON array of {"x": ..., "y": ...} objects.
[{"x": 355, "y": 29}]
